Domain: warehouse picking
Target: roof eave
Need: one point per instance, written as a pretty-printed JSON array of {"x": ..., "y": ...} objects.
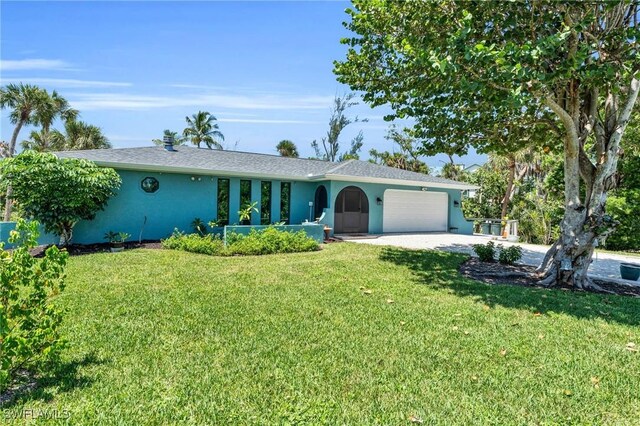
[
  {"x": 310, "y": 177},
  {"x": 194, "y": 170},
  {"x": 402, "y": 182}
]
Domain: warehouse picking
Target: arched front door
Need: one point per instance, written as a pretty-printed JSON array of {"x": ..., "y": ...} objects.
[{"x": 351, "y": 211}]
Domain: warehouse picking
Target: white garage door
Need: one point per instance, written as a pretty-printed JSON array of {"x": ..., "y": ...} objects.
[{"x": 414, "y": 211}]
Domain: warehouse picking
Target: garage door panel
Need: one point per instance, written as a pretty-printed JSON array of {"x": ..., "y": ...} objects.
[{"x": 415, "y": 211}]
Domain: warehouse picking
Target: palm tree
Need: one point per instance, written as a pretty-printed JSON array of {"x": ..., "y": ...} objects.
[
  {"x": 201, "y": 128},
  {"x": 177, "y": 139},
  {"x": 25, "y": 101},
  {"x": 42, "y": 141},
  {"x": 286, "y": 148},
  {"x": 79, "y": 135},
  {"x": 56, "y": 106}
]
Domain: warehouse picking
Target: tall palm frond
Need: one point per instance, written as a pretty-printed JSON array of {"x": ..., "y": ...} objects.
[
  {"x": 177, "y": 139},
  {"x": 56, "y": 106},
  {"x": 42, "y": 141},
  {"x": 80, "y": 135},
  {"x": 287, "y": 148},
  {"x": 201, "y": 128},
  {"x": 26, "y": 101},
  {"x": 77, "y": 135}
]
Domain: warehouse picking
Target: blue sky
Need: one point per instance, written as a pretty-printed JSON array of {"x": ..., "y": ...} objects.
[{"x": 264, "y": 69}]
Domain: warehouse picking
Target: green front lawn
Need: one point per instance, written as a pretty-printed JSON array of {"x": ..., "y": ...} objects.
[{"x": 352, "y": 334}]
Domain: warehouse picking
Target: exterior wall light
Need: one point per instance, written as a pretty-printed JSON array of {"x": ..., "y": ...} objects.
[{"x": 379, "y": 201}]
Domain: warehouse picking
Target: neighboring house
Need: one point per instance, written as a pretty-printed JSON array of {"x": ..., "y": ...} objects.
[
  {"x": 167, "y": 187},
  {"x": 472, "y": 168}
]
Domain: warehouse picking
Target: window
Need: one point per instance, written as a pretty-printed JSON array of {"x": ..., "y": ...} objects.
[
  {"x": 245, "y": 194},
  {"x": 285, "y": 201},
  {"x": 150, "y": 185},
  {"x": 265, "y": 203},
  {"x": 320, "y": 201},
  {"x": 223, "y": 202}
]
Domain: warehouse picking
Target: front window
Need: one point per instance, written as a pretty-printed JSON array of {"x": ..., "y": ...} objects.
[
  {"x": 265, "y": 203},
  {"x": 223, "y": 202},
  {"x": 245, "y": 193},
  {"x": 285, "y": 201}
]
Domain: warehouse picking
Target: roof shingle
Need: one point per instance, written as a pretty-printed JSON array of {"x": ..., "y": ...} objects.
[{"x": 195, "y": 160}]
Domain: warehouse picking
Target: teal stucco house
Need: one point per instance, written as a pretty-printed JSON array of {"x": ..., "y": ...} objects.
[{"x": 164, "y": 188}]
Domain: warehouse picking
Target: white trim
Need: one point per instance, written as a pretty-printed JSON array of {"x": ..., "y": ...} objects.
[
  {"x": 423, "y": 184},
  {"x": 192, "y": 170},
  {"x": 328, "y": 176}
]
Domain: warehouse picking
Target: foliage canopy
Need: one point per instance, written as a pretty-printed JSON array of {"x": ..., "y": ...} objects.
[{"x": 58, "y": 192}]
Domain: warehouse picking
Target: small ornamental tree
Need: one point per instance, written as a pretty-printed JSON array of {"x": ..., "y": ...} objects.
[
  {"x": 29, "y": 320},
  {"x": 58, "y": 192},
  {"x": 466, "y": 72}
]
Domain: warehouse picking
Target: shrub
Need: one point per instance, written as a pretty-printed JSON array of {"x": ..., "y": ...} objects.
[
  {"x": 538, "y": 219},
  {"x": 486, "y": 253},
  {"x": 29, "y": 320},
  {"x": 58, "y": 192},
  {"x": 510, "y": 255},
  {"x": 269, "y": 241},
  {"x": 195, "y": 243}
]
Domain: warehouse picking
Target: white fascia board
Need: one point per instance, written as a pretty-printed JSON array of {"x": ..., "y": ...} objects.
[
  {"x": 194, "y": 171},
  {"x": 208, "y": 172},
  {"x": 402, "y": 182}
]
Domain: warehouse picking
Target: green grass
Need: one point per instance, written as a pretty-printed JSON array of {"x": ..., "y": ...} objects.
[
  {"x": 166, "y": 337},
  {"x": 624, "y": 253}
]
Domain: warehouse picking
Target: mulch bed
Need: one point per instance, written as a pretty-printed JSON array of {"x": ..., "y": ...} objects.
[
  {"x": 525, "y": 275},
  {"x": 25, "y": 382},
  {"x": 80, "y": 249}
]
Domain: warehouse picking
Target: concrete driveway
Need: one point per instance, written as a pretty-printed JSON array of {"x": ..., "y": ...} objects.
[{"x": 604, "y": 264}]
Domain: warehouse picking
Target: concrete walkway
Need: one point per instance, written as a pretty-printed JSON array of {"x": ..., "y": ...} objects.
[{"x": 604, "y": 264}]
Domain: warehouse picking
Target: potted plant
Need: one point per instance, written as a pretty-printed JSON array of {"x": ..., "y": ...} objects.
[
  {"x": 244, "y": 214},
  {"x": 629, "y": 271},
  {"x": 116, "y": 240}
]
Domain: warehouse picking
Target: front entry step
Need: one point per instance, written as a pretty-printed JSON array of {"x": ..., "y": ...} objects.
[{"x": 347, "y": 237}]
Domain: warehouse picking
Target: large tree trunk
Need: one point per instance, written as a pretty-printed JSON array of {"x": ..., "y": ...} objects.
[
  {"x": 12, "y": 149},
  {"x": 509, "y": 190},
  {"x": 584, "y": 221},
  {"x": 567, "y": 261}
]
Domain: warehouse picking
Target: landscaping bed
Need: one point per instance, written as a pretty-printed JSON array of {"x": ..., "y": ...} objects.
[
  {"x": 525, "y": 275},
  {"x": 81, "y": 249}
]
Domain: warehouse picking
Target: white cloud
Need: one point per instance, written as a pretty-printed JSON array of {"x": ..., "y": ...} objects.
[
  {"x": 265, "y": 121},
  {"x": 121, "y": 138},
  {"x": 65, "y": 82},
  {"x": 274, "y": 101},
  {"x": 33, "y": 64}
]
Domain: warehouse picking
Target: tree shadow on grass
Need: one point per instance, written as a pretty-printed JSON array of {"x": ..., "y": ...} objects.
[
  {"x": 65, "y": 377},
  {"x": 440, "y": 269}
]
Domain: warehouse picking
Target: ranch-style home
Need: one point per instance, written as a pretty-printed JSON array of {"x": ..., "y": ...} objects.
[{"x": 164, "y": 188}]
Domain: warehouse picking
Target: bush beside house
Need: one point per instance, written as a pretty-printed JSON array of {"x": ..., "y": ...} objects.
[
  {"x": 58, "y": 192},
  {"x": 263, "y": 241},
  {"x": 29, "y": 320}
]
